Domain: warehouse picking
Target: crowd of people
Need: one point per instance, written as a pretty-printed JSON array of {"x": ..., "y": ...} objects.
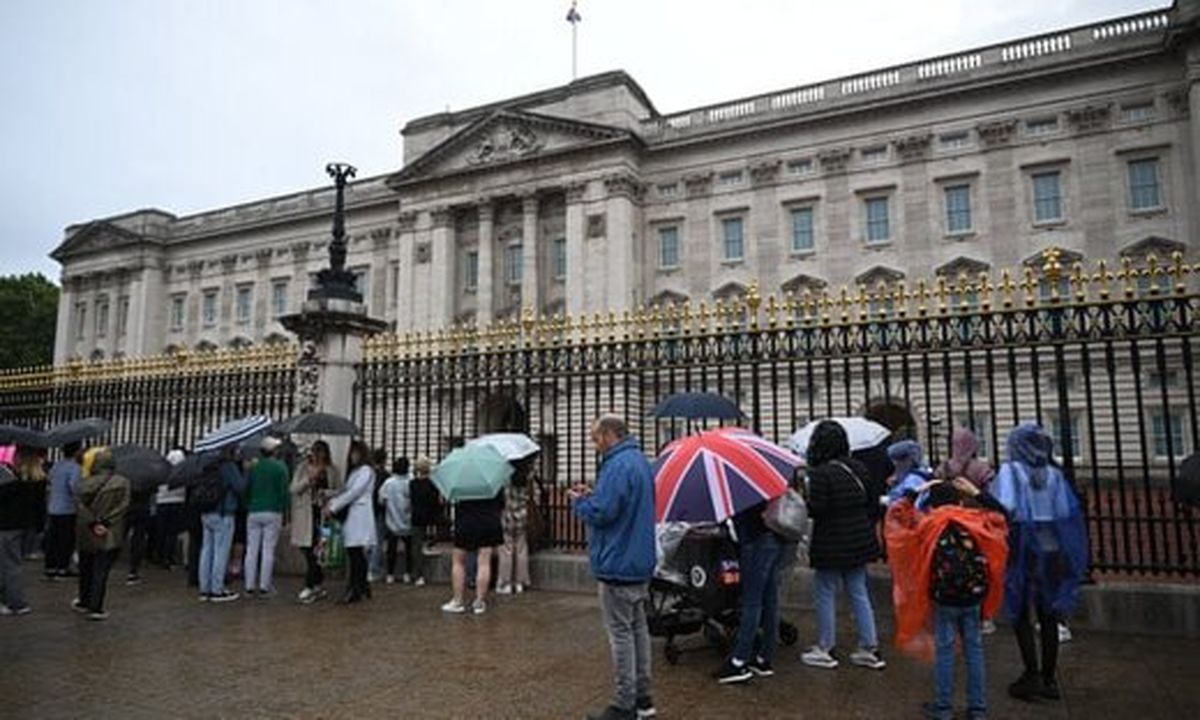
[
  {"x": 964, "y": 540},
  {"x": 82, "y": 513}
]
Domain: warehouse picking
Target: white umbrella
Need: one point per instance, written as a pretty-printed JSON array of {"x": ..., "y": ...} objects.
[
  {"x": 863, "y": 433},
  {"x": 512, "y": 446},
  {"x": 233, "y": 432}
]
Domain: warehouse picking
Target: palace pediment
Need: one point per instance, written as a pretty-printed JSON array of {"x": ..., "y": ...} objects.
[
  {"x": 94, "y": 237},
  {"x": 506, "y": 137}
]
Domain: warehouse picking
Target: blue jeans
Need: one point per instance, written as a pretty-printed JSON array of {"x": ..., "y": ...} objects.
[
  {"x": 759, "y": 566},
  {"x": 825, "y": 587},
  {"x": 948, "y": 624},
  {"x": 214, "y": 552}
]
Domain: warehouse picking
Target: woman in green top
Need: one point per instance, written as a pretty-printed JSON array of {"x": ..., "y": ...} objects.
[{"x": 267, "y": 499}]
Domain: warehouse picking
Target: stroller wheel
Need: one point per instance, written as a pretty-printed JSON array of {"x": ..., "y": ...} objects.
[
  {"x": 671, "y": 651},
  {"x": 788, "y": 634}
]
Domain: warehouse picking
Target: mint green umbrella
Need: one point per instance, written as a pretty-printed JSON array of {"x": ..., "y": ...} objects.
[{"x": 475, "y": 472}]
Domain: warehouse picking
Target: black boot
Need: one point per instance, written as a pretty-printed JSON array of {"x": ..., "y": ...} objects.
[{"x": 1027, "y": 687}]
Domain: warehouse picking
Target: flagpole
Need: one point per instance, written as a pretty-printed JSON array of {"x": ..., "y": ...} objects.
[{"x": 574, "y": 51}]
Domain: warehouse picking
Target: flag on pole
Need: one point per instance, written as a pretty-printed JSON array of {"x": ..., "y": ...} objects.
[{"x": 573, "y": 15}]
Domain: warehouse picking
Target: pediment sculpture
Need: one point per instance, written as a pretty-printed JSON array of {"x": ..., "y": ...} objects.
[{"x": 508, "y": 141}]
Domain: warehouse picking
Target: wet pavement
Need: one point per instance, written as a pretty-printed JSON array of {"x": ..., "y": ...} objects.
[{"x": 162, "y": 654}]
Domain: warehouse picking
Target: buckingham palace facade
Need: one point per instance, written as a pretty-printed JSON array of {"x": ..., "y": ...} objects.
[{"x": 585, "y": 198}]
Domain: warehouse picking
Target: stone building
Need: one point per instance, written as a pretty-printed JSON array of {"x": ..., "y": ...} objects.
[{"x": 585, "y": 197}]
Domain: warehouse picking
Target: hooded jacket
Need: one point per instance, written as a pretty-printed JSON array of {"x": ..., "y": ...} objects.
[
  {"x": 103, "y": 500},
  {"x": 620, "y": 516}
]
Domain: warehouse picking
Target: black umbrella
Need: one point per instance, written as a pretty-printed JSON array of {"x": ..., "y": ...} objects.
[
  {"x": 192, "y": 468},
  {"x": 14, "y": 435},
  {"x": 78, "y": 431},
  {"x": 698, "y": 406},
  {"x": 144, "y": 467},
  {"x": 317, "y": 424}
]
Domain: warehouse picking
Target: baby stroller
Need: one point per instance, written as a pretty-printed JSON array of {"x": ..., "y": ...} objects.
[{"x": 697, "y": 589}]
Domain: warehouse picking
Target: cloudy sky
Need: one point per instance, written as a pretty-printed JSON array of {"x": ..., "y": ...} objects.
[{"x": 112, "y": 105}]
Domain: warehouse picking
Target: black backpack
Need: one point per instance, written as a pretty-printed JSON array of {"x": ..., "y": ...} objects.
[
  {"x": 208, "y": 492},
  {"x": 959, "y": 575}
]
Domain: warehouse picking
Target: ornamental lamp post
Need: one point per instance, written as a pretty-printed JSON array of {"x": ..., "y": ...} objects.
[{"x": 336, "y": 282}]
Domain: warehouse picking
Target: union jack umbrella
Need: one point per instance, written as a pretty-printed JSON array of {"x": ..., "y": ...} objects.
[{"x": 716, "y": 474}]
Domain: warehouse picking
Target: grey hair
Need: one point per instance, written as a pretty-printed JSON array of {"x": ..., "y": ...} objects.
[{"x": 611, "y": 423}]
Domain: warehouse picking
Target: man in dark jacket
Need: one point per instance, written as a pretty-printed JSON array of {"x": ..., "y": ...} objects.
[
  {"x": 18, "y": 503},
  {"x": 620, "y": 516}
]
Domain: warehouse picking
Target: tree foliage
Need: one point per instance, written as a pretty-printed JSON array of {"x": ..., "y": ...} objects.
[{"x": 28, "y": 315}]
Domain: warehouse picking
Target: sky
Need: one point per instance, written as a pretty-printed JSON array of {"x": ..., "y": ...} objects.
[{"x": 108, "y": 106}]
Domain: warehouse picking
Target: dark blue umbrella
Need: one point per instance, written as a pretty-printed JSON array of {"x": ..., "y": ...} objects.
[
  {"x": 192, "y": 468},
  {"x": 698, "y": 406},
  {"x": 16, "y": 435}
]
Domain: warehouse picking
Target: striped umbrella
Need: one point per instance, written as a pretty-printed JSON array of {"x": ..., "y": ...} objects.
[
  {"x": 717, "y": 474},
  {"x": 233, "y": 431}
]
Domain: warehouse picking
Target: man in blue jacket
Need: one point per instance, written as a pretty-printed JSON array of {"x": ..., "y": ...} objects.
[{"x": 620, "y": 515}]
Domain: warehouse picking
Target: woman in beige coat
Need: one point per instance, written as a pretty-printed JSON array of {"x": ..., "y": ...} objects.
[
  {"x": 314, "y": 478},
  {"x": 99, "y": 529}
]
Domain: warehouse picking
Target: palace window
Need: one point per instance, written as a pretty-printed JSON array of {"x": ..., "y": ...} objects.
[
  {"x": 279, "y": 297},
  {"x": 1143, "y": 184},
  {"x": 471, "y": 270},
  {"x": 514, "y": 261},
  {"x": 730, "y": 178},
  {"x": 1137, "y": 112},
  {"x": 1047, "y": 196},
  {"x": 955, "y": 140},
  {"x": 802, "y": 230},
  {"x": 668, "y": 247},
  {"x": 800, "y": 166},
  {"x": 1167, "y": 431},
  {"x": 102, "y": 318},
  {"x": 875, "y": 154},
  {"x": 80, "y": 320},
  {"x": 122, "y": 316},
  {"x": 362, "y": 281},
  {"x": 878, "y": 226},
  {"x": 245, "y": 303},
  {"x": 1056, "y": 430},
  {"x": 1041, "y": 126},
  {"x": 208, "y": 308},
  {"x": 559, "y": 249},
  {"x": 177, "y": 311},
  {"x": 958, "y": 209},
  {"x": 733, "y": 239}
]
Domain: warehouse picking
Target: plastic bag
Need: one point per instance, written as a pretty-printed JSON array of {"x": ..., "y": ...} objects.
[
  {"x": 331, "y": 552},
  {"x": 787, "y": 515}
]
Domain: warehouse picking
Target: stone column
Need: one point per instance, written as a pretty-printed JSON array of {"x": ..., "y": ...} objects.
[
  {"x": 620, "y": 236},
  {"x": 406, "y": 249},
  {"x": 530, "y": 283},
  {"x": 576, "y": 262},
  {"x": 485, "y": 292},
  {"x": 63, "y": 337},
  {"x": 1192, "y": 10},
  {"x": 441, "y": 309}
]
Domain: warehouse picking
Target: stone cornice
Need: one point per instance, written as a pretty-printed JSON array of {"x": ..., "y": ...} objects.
[
  {"x": 996, "y": 133},
  {"x": 406, "y": 221},
  {"x": 624, "y": 185}
]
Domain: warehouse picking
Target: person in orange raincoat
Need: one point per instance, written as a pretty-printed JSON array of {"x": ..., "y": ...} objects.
[{"x": 948, "y": 569}]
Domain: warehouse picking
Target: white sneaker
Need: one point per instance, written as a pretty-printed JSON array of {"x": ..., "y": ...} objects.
[
  {"x": 420, "y": 582},
  {"x": 479, "y": 607},
  {"x": 454, "y": 607},
  {"x": 407, "y": 579},
  {"x": 307, "y": 595},
  {"x": 519, "y": 588},
  {"x": 5, "y": 611},
  {"x": 1064, "y": 633},
  {"x": 372, "y": 578},
  {"x": 816, "y": 657},
  {"x": 988, "y": 627},
  {"x": 391, "y": 579},
  {"x": 504, "y": 590},
  {"x": 868, "y": 658}
]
